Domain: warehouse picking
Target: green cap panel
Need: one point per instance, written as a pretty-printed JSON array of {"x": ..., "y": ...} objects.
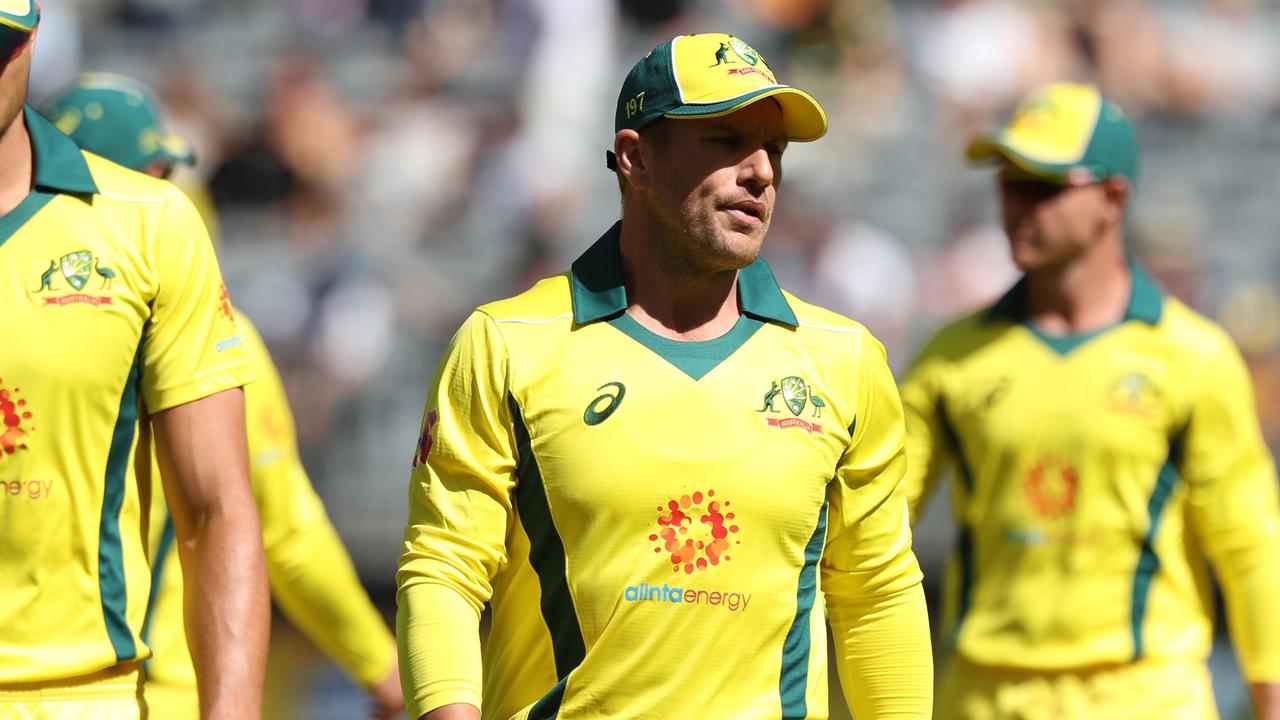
[
  {"x": 1067, "y": 133},
  {"x": 707, "y": 75},
  {"x": 118, "y": 118}
]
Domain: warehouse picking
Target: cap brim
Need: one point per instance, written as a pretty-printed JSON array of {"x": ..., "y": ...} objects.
[
  {"x": 177, "y": 150},
  {"x": 988, "y": 150},
  {"x": 23, "y": 19},
  {"x": 804, "y": 118}
]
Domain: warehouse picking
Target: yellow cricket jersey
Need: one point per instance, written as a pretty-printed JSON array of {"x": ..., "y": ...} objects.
[
  {"x": 110, "y": 299},
  {"x": 312, "y": 577},
  {"x": 1093, "y": 475},
  {"x": 655, "y": 523}
]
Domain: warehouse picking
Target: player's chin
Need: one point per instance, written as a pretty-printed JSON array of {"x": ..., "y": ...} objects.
[
  {"x": 738, "y": 250},
  {"x": 1026, "y": 254}
]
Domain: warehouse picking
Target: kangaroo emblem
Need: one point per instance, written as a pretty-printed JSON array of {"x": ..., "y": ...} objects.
[
  {"x": 769, "y": 397},
  {"x": 722, "y": 55},
  {"x": 46, "y": 277}
]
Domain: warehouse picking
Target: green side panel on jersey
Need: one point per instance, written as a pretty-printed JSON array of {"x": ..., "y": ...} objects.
[
  {"x": 111, "y": 580},
  {"x": 547, "y": 557},
  {"x": 964, "y": 541},
  {"x": 794, "y": 677},
  {"x": 1149, "y": 561}
]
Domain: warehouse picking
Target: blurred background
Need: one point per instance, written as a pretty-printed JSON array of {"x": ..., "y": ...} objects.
[{"x": 373, "y": 169}]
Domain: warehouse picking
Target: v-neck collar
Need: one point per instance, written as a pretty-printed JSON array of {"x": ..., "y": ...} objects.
[
  {"x": 1146, "y": 305},
  {"x": 599, "y": 293}
]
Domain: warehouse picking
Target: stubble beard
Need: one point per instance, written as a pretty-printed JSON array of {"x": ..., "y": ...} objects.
[
  {"x": 692, "y": 244},
  {"x": 13, "y": 92}
]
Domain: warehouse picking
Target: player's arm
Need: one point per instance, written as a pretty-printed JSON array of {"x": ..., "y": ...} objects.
[
  {"x": 1235, "y": 512},
  {"x": 316, "y": 585},
  {"x": 200, "y": 446},
  {"x": 192, "y": 371},
  {"x": 927, "y": 447},
  {"x": 312, "y": 577},
  {"x": 459, "y": 515},
  {"x": 875, "y": 601}
]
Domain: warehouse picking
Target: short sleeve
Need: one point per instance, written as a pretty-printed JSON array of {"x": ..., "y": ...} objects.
[{"x": 191, "y": 348}]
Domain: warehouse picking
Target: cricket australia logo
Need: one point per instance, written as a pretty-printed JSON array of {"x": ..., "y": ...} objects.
[
  {"x": 73, "y": 272},
  {"x": 796, "y": 396},
  {"x": 744, "y": 51}
]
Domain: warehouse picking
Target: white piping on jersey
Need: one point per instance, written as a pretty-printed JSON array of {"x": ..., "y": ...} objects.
[
  {"x": 128, "y": 198},
  {"x": 534, "y": 321},
  {"x": 828, "y": 328}
]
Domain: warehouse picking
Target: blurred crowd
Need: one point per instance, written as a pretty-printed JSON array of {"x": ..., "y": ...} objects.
[{"x": 373, "y": 169}]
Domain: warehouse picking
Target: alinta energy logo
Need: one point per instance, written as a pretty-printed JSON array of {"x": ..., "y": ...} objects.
[
  {"x": 1051, "y": 487},
  {"x": 796, "y": 396},
  {"x": 695, "y": 533},
  {"x": 74, "y": 271},
  {"x": 692, "y": 547},
  {"x": 426, "y": 439},
  {"x": 15, "y": 419}
]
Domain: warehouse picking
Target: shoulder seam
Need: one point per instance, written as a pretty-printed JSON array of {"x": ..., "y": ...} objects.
[
  {"x": 830, "y": 328},
  {"x": 531, "y": 321},
  {"x": 128, "y": 198}
]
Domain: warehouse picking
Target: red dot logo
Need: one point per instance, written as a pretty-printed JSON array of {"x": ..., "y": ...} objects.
[
  {"x": 224, "y": 303},
  {"x": 1051, "y": 488},
  {"x": 694, "y": 531},
  {"x": 425, "y": 441},
  {"x": 15, "y": 420}
]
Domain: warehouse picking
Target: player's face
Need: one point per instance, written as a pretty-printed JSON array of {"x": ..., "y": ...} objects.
[
  {"x": 1050, "y": 225},
  {"x": 14, "y": 74},
  {"x": 714, "y": 187}
]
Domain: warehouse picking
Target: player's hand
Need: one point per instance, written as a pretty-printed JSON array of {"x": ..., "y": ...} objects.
[{"x": 388, "y": 698}]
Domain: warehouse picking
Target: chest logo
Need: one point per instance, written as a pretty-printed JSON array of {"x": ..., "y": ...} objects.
[
  {"x": 599, "y": 409},
  {"x": 15, "y": 420},
  {"x": 694, "y": 532},
  {"x": 1051, "y": 487},
  {"x": 796, "y": 396},
  {"x": 73, "y": 272},
  {"x": 1134, "y": 392}
]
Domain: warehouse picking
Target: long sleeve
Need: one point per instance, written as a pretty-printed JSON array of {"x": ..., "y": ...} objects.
[
  {"x": 459, "y": 516},
  {"x": 1234, "y": 508},
  {"x": 312, "y": 576},
  {"x": 927, "y": 448},
  {"x": 315, "y": 583},
  {"x": 875, "y": 602}
]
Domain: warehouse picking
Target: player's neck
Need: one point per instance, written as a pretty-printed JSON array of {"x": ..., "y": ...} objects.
[
  {"x": 16, "y": 165},
  {"x": 1088, "y": 294},
  {"x": 676, "y": 305}
]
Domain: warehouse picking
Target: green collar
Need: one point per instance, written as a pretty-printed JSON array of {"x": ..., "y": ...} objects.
[
  {"x": 60, "y": 166},
  {"x": 1146, "y": 302},
  {"x": 598, "y": 291}
]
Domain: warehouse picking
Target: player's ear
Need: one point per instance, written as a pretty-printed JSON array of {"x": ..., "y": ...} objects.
[
  {"x": 1117, "y": 189},
  {"x": 632, "y": 165}
]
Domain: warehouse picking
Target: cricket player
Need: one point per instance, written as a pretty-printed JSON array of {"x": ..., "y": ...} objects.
[
  {"x": 112, "y": 305},
  {"x": 657, "y": 466},
  {"x": 312, "y": 577},
  {"x": 1105, "y": 446}
]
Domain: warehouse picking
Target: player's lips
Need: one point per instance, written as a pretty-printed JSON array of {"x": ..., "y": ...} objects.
[{"x": 747, "y": 212}]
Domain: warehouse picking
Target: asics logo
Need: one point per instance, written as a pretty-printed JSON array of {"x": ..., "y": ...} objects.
[{"x": 599, "y": 409}]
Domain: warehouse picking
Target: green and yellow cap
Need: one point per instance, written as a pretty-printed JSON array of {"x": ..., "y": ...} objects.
[
  {"x": 708, "y": 75},
  {"x": 17, "y": 19},
  {"x": 118, "y": 118},
  {"x": 1066, "y": 134}
]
